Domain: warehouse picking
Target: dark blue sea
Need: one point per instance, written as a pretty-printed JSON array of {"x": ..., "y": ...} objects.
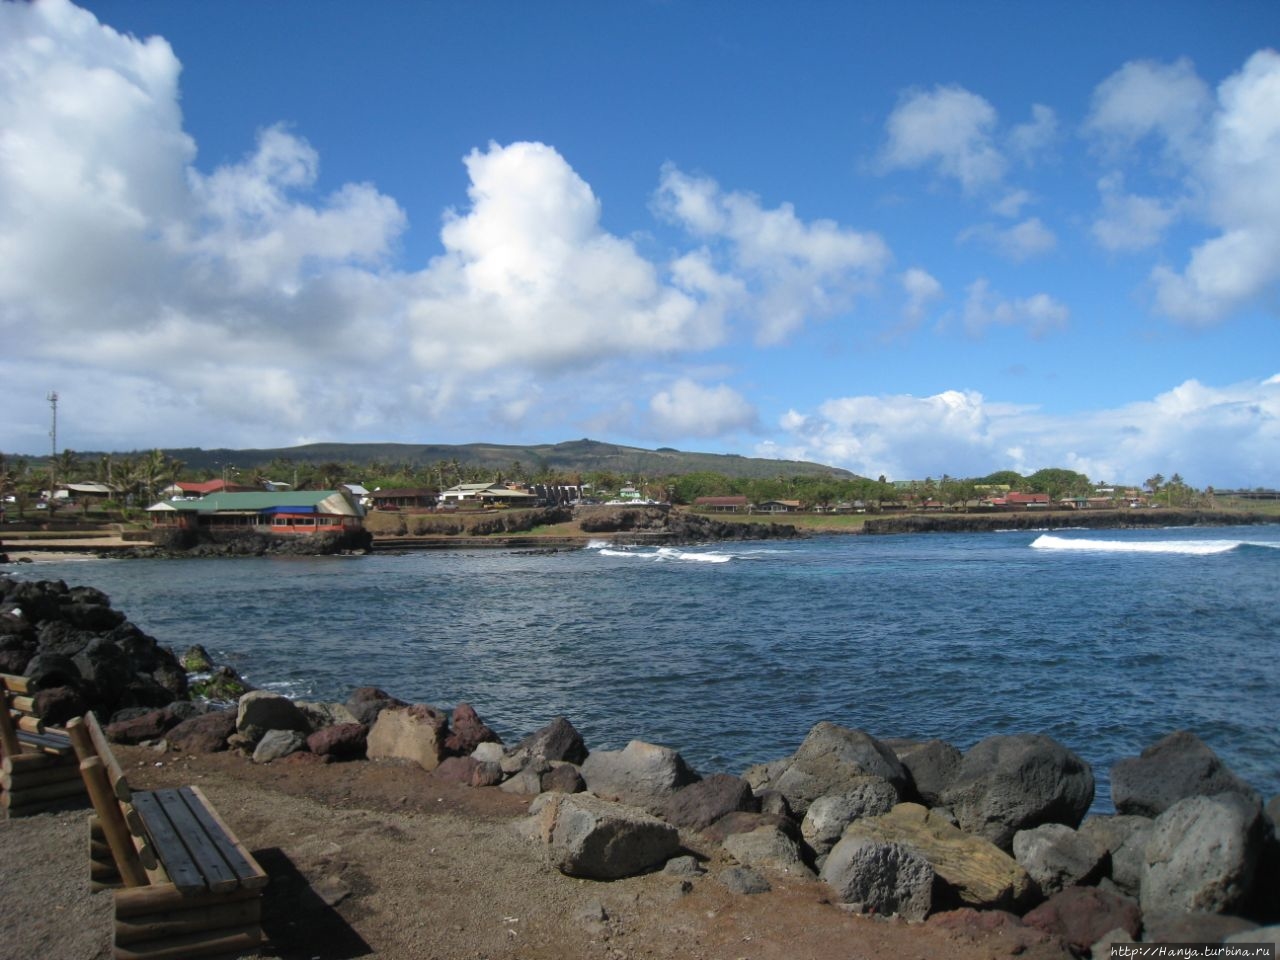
[{"x": 730, "y": 653}]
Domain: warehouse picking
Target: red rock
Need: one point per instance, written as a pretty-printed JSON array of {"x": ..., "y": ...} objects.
[
  {"x": 207, "y": 733},
  {"x": 469, "y": 731},
  {"x": 341, "y": 741},
  {"x": 1082, "y": 915},
  {"x": 150, "y": 726},
  {"x": 985, "y": 926}
]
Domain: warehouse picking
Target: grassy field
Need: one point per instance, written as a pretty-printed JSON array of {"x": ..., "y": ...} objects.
[
  {"x": 812, "y": 522},
  {"x": 1270, "y": 508}
]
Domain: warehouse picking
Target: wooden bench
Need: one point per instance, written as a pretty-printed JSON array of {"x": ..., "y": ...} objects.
[
  {"x": 184, "y": 885},
  {"x": 39, "y": 770}
]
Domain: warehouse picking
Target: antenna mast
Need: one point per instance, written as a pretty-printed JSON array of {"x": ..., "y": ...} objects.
[{"x": 53, "y": 443}]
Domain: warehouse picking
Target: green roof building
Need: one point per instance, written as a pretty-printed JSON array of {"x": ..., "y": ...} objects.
[{"x": 290, "y": 512}]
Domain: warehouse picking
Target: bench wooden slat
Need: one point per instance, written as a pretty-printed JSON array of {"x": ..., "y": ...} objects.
[
  {"x": 244, "y": 867},
  {"x": 177, "y": 860},
  {"x": 201, "y": 836}
]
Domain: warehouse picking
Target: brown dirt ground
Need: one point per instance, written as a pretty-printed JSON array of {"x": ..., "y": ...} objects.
[{"x": 384, "y": 860}]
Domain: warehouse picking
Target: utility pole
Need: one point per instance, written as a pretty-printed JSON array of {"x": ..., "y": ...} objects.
[{"x": 53, "y": 446}]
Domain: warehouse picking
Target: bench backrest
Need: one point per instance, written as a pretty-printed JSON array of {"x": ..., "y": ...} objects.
[
  {"x": 111, "y": 796},
  {"x": 21, "y": 729}
]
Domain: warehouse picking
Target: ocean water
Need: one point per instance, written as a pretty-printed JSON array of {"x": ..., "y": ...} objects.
[{"x": 731, "y": 652}]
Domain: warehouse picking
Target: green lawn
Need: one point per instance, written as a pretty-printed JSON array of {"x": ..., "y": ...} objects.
[{"x": 814, "y": 522}]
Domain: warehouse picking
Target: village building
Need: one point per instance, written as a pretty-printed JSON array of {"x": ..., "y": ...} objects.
[
  {"x": 779, "y": 506},
  {"x": 202, "y": 488},
  {"x": 403, "y": 498},
  {"x": 85, "y": 493},
  {"x": 1015, "y": 500},
  {"x": 487, "y": 495},
  {"x": 299, "y": 512},
  {"x": 734, "y": 504}
]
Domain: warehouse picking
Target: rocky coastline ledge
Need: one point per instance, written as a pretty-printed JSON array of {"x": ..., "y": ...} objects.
[
  {"x": 1061, "y": 520},
  {"x": 995, "y": 836}
]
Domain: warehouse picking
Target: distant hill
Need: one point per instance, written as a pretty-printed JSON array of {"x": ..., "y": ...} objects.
[{"x": 573, "y": 456}]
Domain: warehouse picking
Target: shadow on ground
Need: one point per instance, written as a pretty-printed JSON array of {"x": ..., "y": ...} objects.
[{"x": 299, "y": 925}]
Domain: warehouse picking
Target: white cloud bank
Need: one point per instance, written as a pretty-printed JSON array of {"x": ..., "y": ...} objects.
[
  {"x": 1229, "y": 436},
  {"x": 1220, "y": 158},
  {"x": 240, "y": 297}
]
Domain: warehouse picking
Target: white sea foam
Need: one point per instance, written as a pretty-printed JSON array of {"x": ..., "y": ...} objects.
[
  {"x": 1199, "y": 548},
  {"x": 670, "y": 553},
  {"x": 666, "y": 554},
  {"x": 630, "y": 554}
]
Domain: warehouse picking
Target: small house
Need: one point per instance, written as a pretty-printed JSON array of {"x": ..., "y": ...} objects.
[{"x": 721, "y": 504}]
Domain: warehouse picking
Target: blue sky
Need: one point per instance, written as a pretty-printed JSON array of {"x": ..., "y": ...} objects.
[{"x": 905, "y": 239}]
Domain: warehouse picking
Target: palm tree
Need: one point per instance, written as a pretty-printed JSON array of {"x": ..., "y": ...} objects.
[
  {"x": 156, "y": 468},
  {"x": 67, "y": 465},
  {"x": 8, "y": 481},
  {"x": 1154, "y": 484},
  {"x": 105, "y": 469}
]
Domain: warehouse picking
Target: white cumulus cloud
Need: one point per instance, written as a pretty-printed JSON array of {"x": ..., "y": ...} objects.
[
  {"x": 1040, "y": 314},
  {"x": 530, "y": 279},
  {"x": 949, "y": 127},
  {"x": 690, "y": 409},
  {"x": 1221, "y": 159},
  {"x": 922, "y": 291},
  {"x": 1023, "y": 241},
  {"x": 1129, "y": 222},
  {"x": 1028, "y": 140},
  {"x": 1142, "y": 99},
  {"x": 772, "y": 265}
]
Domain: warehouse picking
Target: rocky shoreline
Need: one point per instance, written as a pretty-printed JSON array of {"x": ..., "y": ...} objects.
[{"x": 891, "y": 827}]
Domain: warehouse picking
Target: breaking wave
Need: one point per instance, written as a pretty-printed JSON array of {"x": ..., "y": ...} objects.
[
  {"x": 661, "y": 554},
  {"x": 1192, "y": 548}
]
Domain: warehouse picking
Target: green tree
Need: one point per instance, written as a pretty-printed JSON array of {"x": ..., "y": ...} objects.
[
  {"x": 700, "y": 483},
  {"x": 1154, "y": 484},
  {"x": 1010, "y": 478},
  {"x": 67, "y": 466},
  {"x": 1059, "y": 483}
]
